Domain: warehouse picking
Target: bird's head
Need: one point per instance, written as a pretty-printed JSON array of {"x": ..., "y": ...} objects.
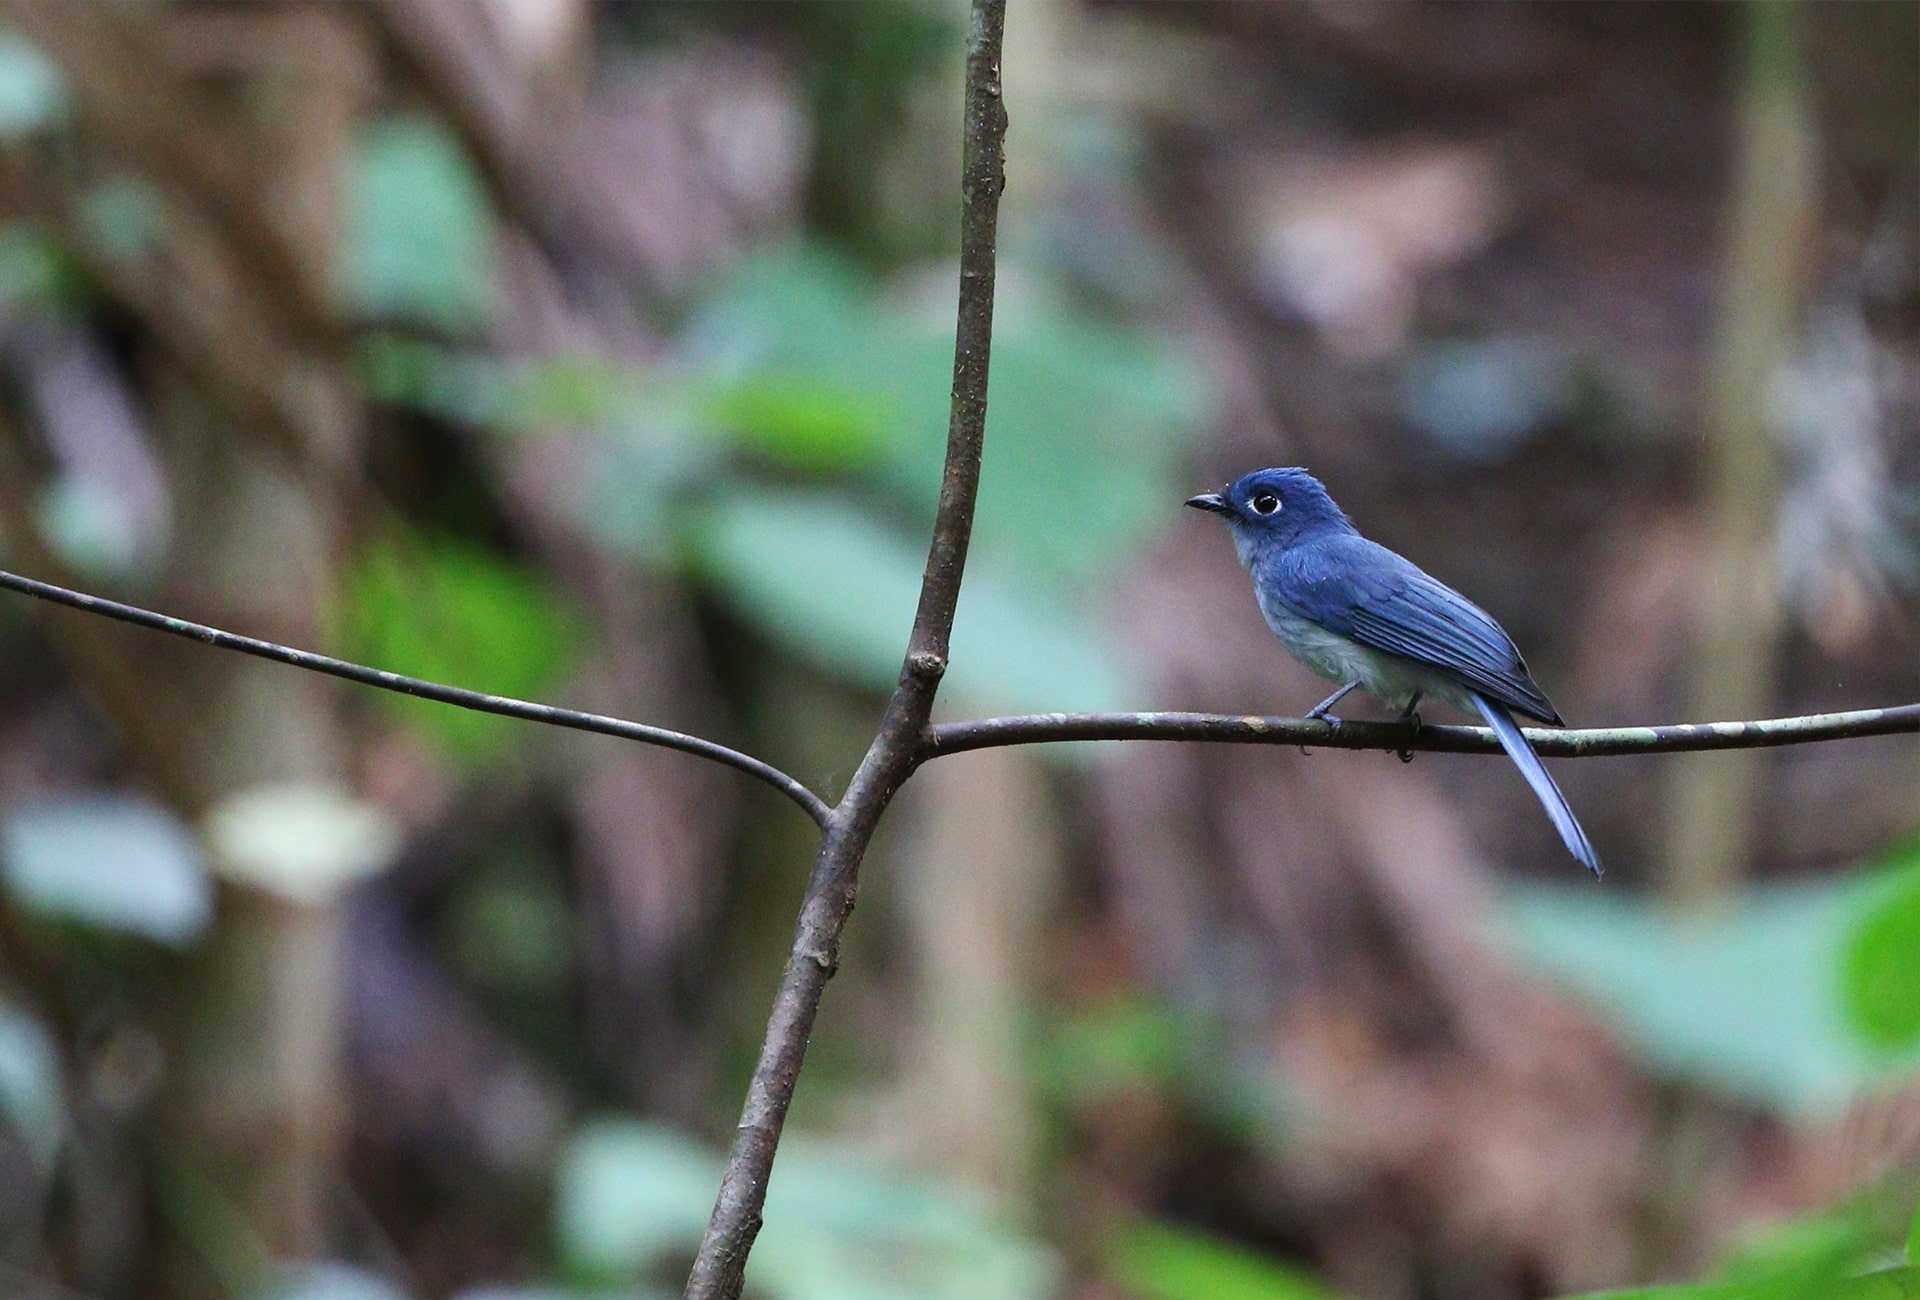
[{"x": 1274, "y": 506}]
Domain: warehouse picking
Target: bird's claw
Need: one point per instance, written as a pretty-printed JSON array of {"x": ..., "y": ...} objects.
[
  {"x": 1405, "y": 752},
  {"x": 1321, "y": 715}
]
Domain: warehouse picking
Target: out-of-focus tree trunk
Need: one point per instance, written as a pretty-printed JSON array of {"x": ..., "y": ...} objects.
[
  {"x": 979, "y": 889},
  {"x": 261, "y": 1054},
  {"x": 239, "y": 346},
  {"x": 1714, "y": 799}
]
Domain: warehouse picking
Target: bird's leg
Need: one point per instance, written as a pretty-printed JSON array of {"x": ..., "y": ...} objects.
[
  {"x": 1321, "y": 710},
  {"x": 1407, "y": 715}
]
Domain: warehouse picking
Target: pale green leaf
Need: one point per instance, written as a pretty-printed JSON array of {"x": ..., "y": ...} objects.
[
  {"x": 328, "y": 1281},
  {"x": 1087, "y": 426},
  {"x": 30, "y": 265},
  {"x": 33, "y": 95},
  {"x": 627, "y": 1192},
  {"x": 31, "y": 1101},
  {"x": 109, "y": 861},
  {"x": 800, "y": 420},
  {"x": 1882, "y": 964},
  {"x": 632, "y": 1195},
  {"x": 1748, "y": 1000},
  {"x": 451, "y": 612},
  {"x": 419, "y": 233},
  {"x": 825, "y": 578},
  {"x": 1887, "y": 1284},
  {"x": 122, "y": 216},
  {"x": 1158, "y": 1261}
]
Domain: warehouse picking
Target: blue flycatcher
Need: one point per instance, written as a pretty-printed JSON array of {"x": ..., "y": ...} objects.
[{"x": 1358, "y": 614}]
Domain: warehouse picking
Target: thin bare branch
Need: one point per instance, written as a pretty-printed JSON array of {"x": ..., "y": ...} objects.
[
  {"x": 1217, "y": 728},
  {"x": 812, "y": 804},
  {"x": 720, "y": 1268}
]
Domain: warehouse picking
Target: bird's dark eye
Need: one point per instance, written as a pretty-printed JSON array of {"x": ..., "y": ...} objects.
[{"x": 1265, "y": 503}]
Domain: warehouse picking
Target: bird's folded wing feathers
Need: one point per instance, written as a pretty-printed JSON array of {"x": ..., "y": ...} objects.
[{"x": 1381, "y": 600}]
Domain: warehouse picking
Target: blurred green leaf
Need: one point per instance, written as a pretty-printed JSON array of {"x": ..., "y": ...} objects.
[
  {"x": 1086, "y": 428},
  {"x": 109, "y": 861},
  {"x": 453, "y": 613},
  {"x": 1085, "y": 433},
  {"x": 1888, "y": 1284},
  {"x": 32, "y": 93},
  {"x": 801, "y": 421},
  {"x": 1127, "y": 1043},
  {"x": 1748, "y": 1000},
  {"x": 511, "y": 929},
  {"x": 849, "y": 1229},
  {"x": 822, "y": 576},
  {"x": 1132, "y": 1043},
  {"x": 402, "y": 371},
  {"x": 815, "y": 573},
  {"x": 572, "y": 390},
  {"x": 630, "y": 1195},
  {"x": 648, "y": 453},
  {"x": 1158, "y": 1261},
  {"x": 328, "y": 1281},
  {"x": 30, "y": 1095},
  {"x": 556, "y": 1293},
  {"x": 419, "y": 233},
  {"x": 89, "y": 525},
  {"x": 1830, "y": 1254},
  {"x": 31, "y": 265},
  {"x": 799, "y": 309},
  {"x": 1803, "y": 1253},
  {"x": 804, "y": 364},
  {"x": 626, "y": 1193},
  {"x": 490, "y": 392},
  {"x": 122, "y": 216},
  {"x": 1678, "y": 1291},
  {"x": 1882, "y": 963}
]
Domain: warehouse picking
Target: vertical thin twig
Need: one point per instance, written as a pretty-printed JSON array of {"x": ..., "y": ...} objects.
[{"x": 720, "y": 1268}]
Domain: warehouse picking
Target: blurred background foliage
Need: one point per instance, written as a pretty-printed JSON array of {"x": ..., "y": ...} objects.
[{"x": 599, "y": 353}]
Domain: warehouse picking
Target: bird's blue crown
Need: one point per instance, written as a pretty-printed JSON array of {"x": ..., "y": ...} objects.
[{"x": 1280, "y": 502}]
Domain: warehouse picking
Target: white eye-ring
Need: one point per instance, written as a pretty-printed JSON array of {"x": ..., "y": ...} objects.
[{"x": 1264, "y": 503}]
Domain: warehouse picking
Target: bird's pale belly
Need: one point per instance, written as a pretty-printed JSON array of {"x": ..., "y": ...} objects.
[{"x": 1392, "y": 679}]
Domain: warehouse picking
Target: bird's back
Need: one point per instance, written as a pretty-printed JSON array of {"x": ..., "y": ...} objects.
[{"x": 1357, "y": 588}]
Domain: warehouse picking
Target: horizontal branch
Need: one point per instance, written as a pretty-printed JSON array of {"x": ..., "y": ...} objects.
[
  {"x": 1043, "y": 728},
  {"x": 505, "y": 707},
  {"x": 1039, "y": 728}
]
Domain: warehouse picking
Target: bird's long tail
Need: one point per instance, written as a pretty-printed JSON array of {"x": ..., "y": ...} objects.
[{"x": 1537, "y": 776}]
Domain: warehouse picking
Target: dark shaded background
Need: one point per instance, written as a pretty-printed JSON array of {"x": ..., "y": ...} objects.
[{"x": 597, "y": 353}]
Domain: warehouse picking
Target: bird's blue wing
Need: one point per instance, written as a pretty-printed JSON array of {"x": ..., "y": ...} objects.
[{"x": 1362, "y": 590}]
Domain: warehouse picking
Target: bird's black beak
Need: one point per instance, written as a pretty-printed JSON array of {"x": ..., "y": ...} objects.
[{"x": 1212, "y": 501}]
